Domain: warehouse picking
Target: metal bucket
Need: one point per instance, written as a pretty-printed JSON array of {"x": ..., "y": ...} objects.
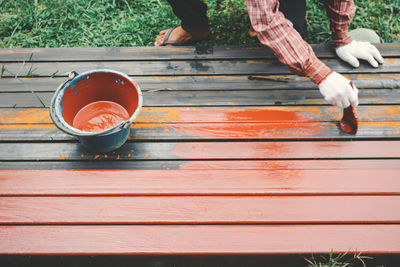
[{"x": 91, "y": 86}]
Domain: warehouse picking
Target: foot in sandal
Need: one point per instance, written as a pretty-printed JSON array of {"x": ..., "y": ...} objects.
[{"x": 179, "y": 37}]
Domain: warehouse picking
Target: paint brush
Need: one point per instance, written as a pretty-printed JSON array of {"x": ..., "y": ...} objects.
[
  {"x": 349, "y": 121},
  {"x": 262, "y": 78}
]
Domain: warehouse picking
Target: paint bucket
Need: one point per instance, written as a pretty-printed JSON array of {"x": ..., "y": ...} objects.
[{"x": 82, "y": 90}]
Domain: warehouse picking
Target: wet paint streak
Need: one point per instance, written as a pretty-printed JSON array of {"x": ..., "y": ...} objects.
[
  {"x": 199, "y": 209},
  {"x": 287, "y": 150},
  {"x": 249, "y": 130},
  {"x": 209, "y": 239},
  {"x": 393, "y": 126},
  {"x": 170, "y": 114},
  {"x": 391, "y": 60},
  {"x": 290, "y": 164},
  {"x": 281, "y": 123},
  {"x": 201, "y": 182}
]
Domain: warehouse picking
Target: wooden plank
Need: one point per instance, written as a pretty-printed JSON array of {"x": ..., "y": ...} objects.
[
  {"x": 182, "y": 83},
  {"x": 22, "y": 100},
  {"x": 200, "y": 210},
  {"x": 197, "y": 67},
  {"x": 290, "y": 164},
  {"x": 206, "y": 150},
  {"x": 166, "y": 98},
  {"x": 197, "y": 239},
  {"x": 201, "y": 182},
  {"x": 204, "y": 165},
  {"x": 222, "y": 114},
  {"x": 221, "y": 131},
  {"x": 162, "y": 53}
]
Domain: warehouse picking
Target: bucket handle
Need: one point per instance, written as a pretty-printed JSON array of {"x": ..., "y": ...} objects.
[{"x": 71, "y": 75}]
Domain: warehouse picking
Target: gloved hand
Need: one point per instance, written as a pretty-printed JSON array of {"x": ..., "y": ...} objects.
[
  {"x": 337, "y": 91},
  {"x": 361, "y": 50}
]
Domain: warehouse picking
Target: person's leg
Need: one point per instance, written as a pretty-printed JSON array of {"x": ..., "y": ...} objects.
[
  {"x": 295, "y": 11},
  {"x": 192, "y": 13},
  {"x": 194, "y": 22}
]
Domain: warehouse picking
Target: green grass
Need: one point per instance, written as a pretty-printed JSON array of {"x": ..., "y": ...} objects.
[
  {"x": 67, "y": 23},
  {"x": 340, "y": 260}
]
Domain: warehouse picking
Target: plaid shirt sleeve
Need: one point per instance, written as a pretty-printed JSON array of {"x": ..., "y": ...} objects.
[
  {"x": 340, "y": 14},
  {"x": 276, "y": 32}
]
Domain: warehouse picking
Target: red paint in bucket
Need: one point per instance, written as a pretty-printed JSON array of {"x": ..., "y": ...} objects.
[
  {"x": 99, "y": 116},
  {"x": 99, "y": 86}
]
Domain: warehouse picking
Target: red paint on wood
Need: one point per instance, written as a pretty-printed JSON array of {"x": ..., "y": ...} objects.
[
  {"x": 199, "y": 182},
  {"x": 290, "y": 164},
  {"x": 199, "y": 239},
  {"x": 240, "y": 115},
  {"x": 298, "y": 124},
  {"x": 287, "y": 150},
  {"x": 199, "y": 210},
  {"x": 99, "y": 116}
]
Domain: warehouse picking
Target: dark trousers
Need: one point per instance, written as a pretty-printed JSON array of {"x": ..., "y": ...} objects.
[{"x": 193, "y": 13}]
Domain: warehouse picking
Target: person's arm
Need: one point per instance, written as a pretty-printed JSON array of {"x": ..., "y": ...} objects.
[
  {"x": 340, "y": 14},
  {"x": 277, "y": 32}
]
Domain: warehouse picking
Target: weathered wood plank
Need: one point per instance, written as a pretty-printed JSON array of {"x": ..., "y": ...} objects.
[
  {"x": 190, "y": 131},
  {"x": 200, "y": 210},
  {"x": 162, "y": 53},
  {"x": 206, "y": 150},
  {"x": 204, "y": 165},
  {"x": 222, "y": 114},
  {"x": 21, "y": 100},
  {"x": 167, "y": 98},
  {"x": 205, "y": 239},
  {"x": 339, "y": 181},
  {"x": 181, "y": 83},
  {"x": 197, "y": 67}
]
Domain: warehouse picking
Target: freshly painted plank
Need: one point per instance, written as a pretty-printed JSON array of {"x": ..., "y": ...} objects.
[
  {"x": 290, "y": 164},
  {"x": 222, "y": 114},
  {"x": 206, "y": 150},
  {"x": 191, "y": 131},
  {"x": 197, "y": 67},
  {"x": 200, "y": 210},
  {"x": 162, "y": 53},
  {"x": 204, "y": 165},
  {"x": 200, "y": 239},
  {"x": 166, "y": 98},
  {"x": 201, "y": 182},
  {"x": 237, "y": 82}
]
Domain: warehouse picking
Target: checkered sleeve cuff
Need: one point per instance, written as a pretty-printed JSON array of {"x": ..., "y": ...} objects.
[{"x": 317, "y": 70}]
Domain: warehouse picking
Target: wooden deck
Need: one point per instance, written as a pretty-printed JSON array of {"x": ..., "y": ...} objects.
[{"x": 216, "y": 163}]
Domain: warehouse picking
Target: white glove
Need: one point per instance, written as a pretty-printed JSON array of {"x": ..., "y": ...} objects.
[
  {"x": 361, "y": 50},
  {"x": 338, "y": 91}
]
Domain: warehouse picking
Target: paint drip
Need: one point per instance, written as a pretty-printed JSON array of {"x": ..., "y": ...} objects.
[{"x": 99, "y": 116}]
